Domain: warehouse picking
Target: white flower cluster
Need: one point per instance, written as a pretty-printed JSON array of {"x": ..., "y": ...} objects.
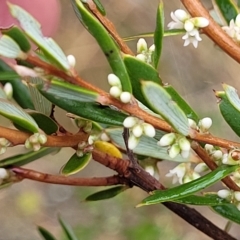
[
  {"x": 177, "y": 144},
  {"x": 233, "y": 30},
  {"x": 182, "y": 173},
  {"x": 4, "y": 143},
  {"x": 231, "y": 196},
  {"x": 35, "y": 141},
  {"x": 116, "y": 89},
  {"x": 182, "y": 20},
  {"x": 203, "y": 125},
  {"x": 137, "y": 128},
  {"x": 144, "y": 53}
]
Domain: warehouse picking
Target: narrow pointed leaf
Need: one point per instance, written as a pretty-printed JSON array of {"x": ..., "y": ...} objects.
[
  {"x": 22, "y": 159},
  {"x": 17, "y": 115},
  {"x": 160, "y": 101},
  {"x": 158, "y": 34},
  {"x": 138, "y": 71},
  {"x": 76, "y": 164},
  {"x": 8, "y": 75},
  {"x": 20, "y": 91},
  {"x": 32, "y": 28},
  {"x": 147, "y": 147},
  {"x": 67, "y": 229},
  {"x": 46, "y": 234},
  {"x": 106, "y": 194},
  {"x": 106, "y": 43},
  {"x": 189, "y": 188},
  {"x": 207, "y": 200},
  {"x": 19, "y": 37},
  {"x": 100, "y": 7},
  {"x": 228, "y": 211},
  {"x": 228, "y": 9},
  {"x": 181, "y": 103},
  {"x": 229, "y": 112},
  {"x": 2, "y": 94}
]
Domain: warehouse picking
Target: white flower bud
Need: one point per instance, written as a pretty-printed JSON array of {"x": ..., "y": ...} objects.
[
  {"x": 141, "y": 45},
  {"x": 167, "y": 139},
  {"x": 185, "y": 154},
  {"x": 125, "y": 97},
  {"x": 115, "y": 91},
  {"x": 205, "y": 124},
  {"x": 92, "y": 139},
  {"x": 217, "y": 154},
  {"x": 152, "y": 48},
  {"x": 27, "y": 144},
  {"x": 104, "y": 137},
  {"x": 4, "y": 174},
  {"x": 3, "y": 150},
  {"x": 201, "y": 167},
  {"x": 224, "y": 193},
  {"x": 237, "y": 196},
  {"x": 148, "y": 130},
  {"x": 137, "y": 130},
  {"x": 181, "y": 15},
  {"x": 34, "y": 138},
  {"x": 132, "y": 142},
  {"x": 150, "y": 170},
  {"x": 129, "y": 122},
  {"x": 42, "y": 138},
  {"x": 25, "y": 71},
  {"x": 192, "y": 124},
  {"x": 200, "y": 22},
  {"x": 82, "y": 145},
  {"x": 71, "y": 60},
  {"x": 113, "y": 80},
  {"x": 4, "y": 142},
  {"x": 188, "y": 25},
  {"x": 174, "y": 150},
  {"x": 79, "y": 153},
  {"x": 141, "y": 57},
  {"x": 184, "y": 144},
  {"x": 8, "y": 89},
  {"x": 209, "y": 148},
  {"x": 177, "y": 173},
  {"x": 36, "y": 147}
]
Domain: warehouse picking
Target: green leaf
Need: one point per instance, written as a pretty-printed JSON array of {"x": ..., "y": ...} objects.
[
  {"x": 189, "y": 188},
  {"x": 41, "y": 104},
  {"x": 67, "y": 229},
  {"x": 160, "y": 101},
  {"x": 2, "y": 94},
  {"x": 76, "y": 164},
  {"x": 46, "y": 234},
  {"x": 106, "y": 194},
  {"x": 167, "y": 33},
  {"x": 228, "y": 9},
  {"x": 19, "y": 37},
  {"x": 20, "y": 91},
  {"x": 32, "y": 28},
  {"x": 181, "y": 103},
  {"x": 100, "y": 7},
  {"x": 44, "y": 122},
  {"x": 228, "y": 211},
  {"x": 147, "y": 146},
  {"x": 138, "y": 71},
  {"x": 9, "y": 48},
  {"x": 17, "y": 115},
  {"x": 229, "y": 112},
  {"x": 80, "y": 102},
  {"x": 22, "y": 159},
  {"x": 158, "y": 34},
  {"x": 106, "y": 43},
  {"x": 232, "y": 96},
  {"x": 8, "y": 75},
  {"x": 207, "y": 200}
]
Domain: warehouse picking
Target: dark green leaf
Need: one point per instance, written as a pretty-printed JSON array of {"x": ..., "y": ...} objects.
[
  {"x": 17, "y": 115},
  {"x": 76, "y": 164},
  {"x": 138, "y": 71},
  {"x": 181, "y": 103},
  {"x": 22, "y": 159},
  {"x": 20, "y": 91},
  {"x": 19, "y": 37},
  {"x": 8, "y": 75},
  {"x": 158, "y": 34},
  {"x": 160, "y": 101},
  {"x": 228, "y": 211},
  {"x": 189, "y": 188},
  {"x": 100, "y": 7},
  {"x": 46, "y": 234},
  {"x": 106, "y": 194},
  {"x": 67, "y": 229},
  {"x": 228, "y": 9},
  {"x": 106, "y": 43}
]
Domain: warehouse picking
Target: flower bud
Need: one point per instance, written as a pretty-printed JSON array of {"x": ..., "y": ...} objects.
[
  {"x": 115, "y": 91},
  {"x": 141, "y": 45},
  {"x": 141, "y": 57},
  {"x": 82, "y": 145},
  {"x": 129, "y": 122},
  {"x": 152, "y": 48},
  {"x": 8, "y": 89},
  {"x": 200, "y": 22},
  {"x": 184, "y": 144},
  {"x": 36, "y": 147},
  {"x": 174, "y": 150},
  {"x": 71, "y": 60},
  {"x": 188, "y": 25},
  {"x": 205, "y": 124},
  {"x": 192, "y": 124},
  {"x": 132, "y": 142},
  {"x": 217, "y": 154},
  {"x": 42, "y": 138},
  {"x": 167, "y": 139},
  {"x": 148, "y": 130},
  {"x": 185, "y": 154},
  {"x": 224, "y": 193},
  {"x": 3, "y": 150},
  {"x": 201, "y": 167},
  {"x": 209, "y": 148},
  {"x": 237, "y": 196},
  {"x": 125, "y": 97},
  {"x": 4, "y": 174},
  {"x": 34, "y": 138},
  {"x": 113, "y": 80},
  {"x": 4, "y": 142},
  {"x": 79, "y": 153},
  {"x": 104, "y": 137},
  {"x": 137, "y": 130},
  {"x": 181, "y": 15}
]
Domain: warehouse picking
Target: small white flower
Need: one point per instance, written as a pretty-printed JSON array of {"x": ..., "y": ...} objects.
[
  {"x": 149, "y": 130},
  {"x": 191, "y": 38},
  {"x": 233, "y": 30},
  {"x": 177, "y": 173},
  {"x": 144, "y": 53},
  {"x": 174, "y": 150},
  {"x": 141, "y": 57},
  {"x": 132, "y": 142},
  {"x": 178, "y": 17},
  {"x": 167, "y": 139},
  {"x": 224, "y": 193},
  {"x": 188, "y": 25},
  {"x": 129, "y": 122},
  {"x": 209, "y": 148},
  {"x": 125, "y": 97},
  {"x": 192, "y": 124},
  {"x": 217, "y": 155},
  {"x": 201, "y": 167},
  {"x": 200, "y": 22},
  {"x": 141, "y": 45},
  {"x": 204, "y": 124},
  {"x": 184, "y": 144},
  {"x": 190, "y": 176},
  {"x": 137, "y": 130},
  {"x": 71, "y": 60},
  {"x": 152, "y": 48}
]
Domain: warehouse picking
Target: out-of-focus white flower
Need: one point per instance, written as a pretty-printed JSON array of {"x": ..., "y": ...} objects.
[
  {"x": 233, "y": 30},
  {"x": 182, "y": 20},
  {"x": 71, "y": 60}
]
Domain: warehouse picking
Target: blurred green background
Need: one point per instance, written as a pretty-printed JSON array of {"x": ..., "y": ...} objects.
[{"x": 193, "y": 72}]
